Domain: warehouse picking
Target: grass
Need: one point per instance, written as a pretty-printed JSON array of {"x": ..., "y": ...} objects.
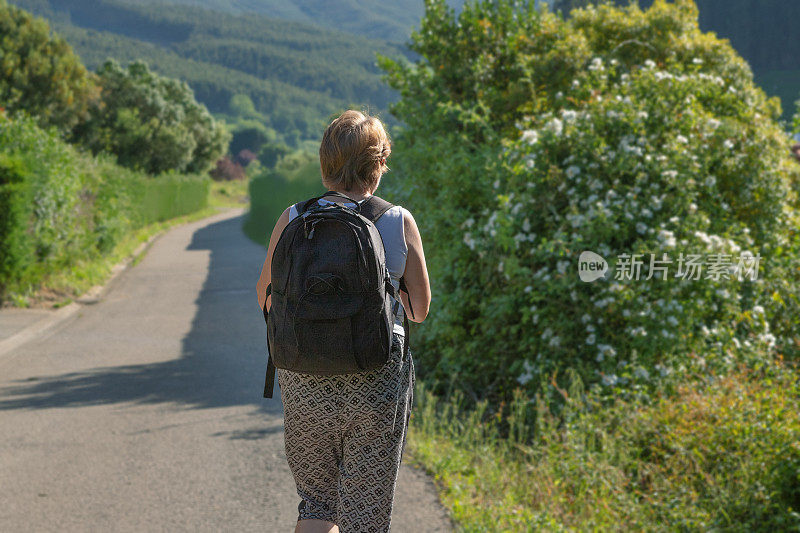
[
  {"x": 229, "y": 194},
  {"x": 721, "y": 454},
  {"x": 60, "y": 288}
]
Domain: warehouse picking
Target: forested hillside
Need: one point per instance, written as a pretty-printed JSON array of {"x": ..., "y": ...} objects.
[
  {"x": 391, "y": 21},
  {"x": 295, "y": 74}
]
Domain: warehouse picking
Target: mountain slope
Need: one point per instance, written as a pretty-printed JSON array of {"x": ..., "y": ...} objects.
[
  {"x": 379, "y": 19},
  {"x": 296, "y": 74}
]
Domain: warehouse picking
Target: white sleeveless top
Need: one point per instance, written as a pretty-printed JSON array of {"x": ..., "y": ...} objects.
[{"x": 390, "y": 226}]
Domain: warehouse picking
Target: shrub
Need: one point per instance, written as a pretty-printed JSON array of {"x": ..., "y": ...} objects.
[
  {"x": 58, "y": 205},
  {"x": 530, "y": 139},
  {"x": 42, "y": 219},
  {"x": 227, "y": 170}
]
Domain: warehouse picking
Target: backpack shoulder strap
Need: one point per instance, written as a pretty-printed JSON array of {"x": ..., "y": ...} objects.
[
  {"x": 303, "y": 206},
  {"x": 374, "y": 207}
]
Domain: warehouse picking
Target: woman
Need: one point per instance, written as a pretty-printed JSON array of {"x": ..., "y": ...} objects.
[{"x": 344, "y": 443}]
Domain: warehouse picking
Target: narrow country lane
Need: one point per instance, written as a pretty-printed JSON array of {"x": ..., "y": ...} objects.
[{"x": 143, "y": 412}]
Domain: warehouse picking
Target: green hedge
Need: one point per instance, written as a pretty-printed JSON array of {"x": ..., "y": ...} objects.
[
  {"x": 59, "y": 205},
  {"x": 296, "y": 178}
]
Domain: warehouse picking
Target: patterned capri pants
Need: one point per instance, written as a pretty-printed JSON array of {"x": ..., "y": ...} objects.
[{"x": 344, "y": 437}]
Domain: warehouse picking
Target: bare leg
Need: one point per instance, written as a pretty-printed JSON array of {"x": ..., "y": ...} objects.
[{"x": 316, "y": 526}]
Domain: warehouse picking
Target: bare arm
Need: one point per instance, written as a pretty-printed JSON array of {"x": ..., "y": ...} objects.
[
  {"x": 266, "y": 269},
  {"x": 416, "y": 272}
]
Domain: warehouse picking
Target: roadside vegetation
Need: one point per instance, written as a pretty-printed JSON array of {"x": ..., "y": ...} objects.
[
  {"x": 634, "y": 402},
  {"x": 85, "y": 171}
]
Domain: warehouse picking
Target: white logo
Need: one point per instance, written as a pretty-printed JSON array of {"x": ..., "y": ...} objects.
[{"x": 591, "y": 266}]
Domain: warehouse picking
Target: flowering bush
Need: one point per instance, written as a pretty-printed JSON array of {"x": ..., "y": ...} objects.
[
  {"x": 531, "y": 139},
  {"x": 654, "y": 161}
]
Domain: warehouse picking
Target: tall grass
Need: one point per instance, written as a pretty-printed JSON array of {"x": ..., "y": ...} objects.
[{"x": 717, "y": 454}]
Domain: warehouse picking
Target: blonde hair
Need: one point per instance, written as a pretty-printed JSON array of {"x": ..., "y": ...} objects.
[{"x": 353, "y": 152}]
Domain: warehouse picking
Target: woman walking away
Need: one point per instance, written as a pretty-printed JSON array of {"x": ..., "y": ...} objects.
[{"x": 345, "y": 432}]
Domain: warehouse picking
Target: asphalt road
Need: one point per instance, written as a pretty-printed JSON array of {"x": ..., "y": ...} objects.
[{"x": 143, "y": 412}]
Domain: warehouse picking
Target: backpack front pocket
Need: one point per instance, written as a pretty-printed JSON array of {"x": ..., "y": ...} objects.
[{"x": 326, "y": 345}]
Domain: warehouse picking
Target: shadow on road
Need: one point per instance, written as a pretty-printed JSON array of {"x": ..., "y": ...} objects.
[{"x": 223, "y": 358}]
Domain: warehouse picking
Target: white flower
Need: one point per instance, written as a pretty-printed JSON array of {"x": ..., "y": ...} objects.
[
  {"x": 641, "y": 372},
  {"x": 468, "y": 223},
  {"x": 757, "y": 309},
  {"x": 667, "y": 238},
  {"x": 697, "y": 61},
  {"x": 670, "y": 174},
  {"x": 681, "y": 139},
  {"x": 710, "y": 181},
  {"x": 569, "y": 115},
  {"x": 704, "y": 238},
  {"x": 662, "y": 369},
  {"x": 469, "y": 241},
  {"x": 591, "y": 339},
  {"x": 556, "y": 126},
  {"x": 650, "y": 63},
  {"x": 610, "y": 379},
  {"x": 641, "y": 227},
  {"x": 496, "y": 184},
  {"x": 528, "y": 288},
  {"x": 597, "y": 64},
  {"x": 573, "y": 171},
  {"x": 530, "y": 136},
  {"x": 714, "y": 123},
  {"x": 728, "y": 144},
  {"x": 526, "y": 377}
]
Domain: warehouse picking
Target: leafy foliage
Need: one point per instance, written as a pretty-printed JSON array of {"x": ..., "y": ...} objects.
[
  {"x": 59, "y": 205},
  {"x": 39, "y": 72},
  {"x": 617, "y": 132},
  {"x": 151, "y": 123}
]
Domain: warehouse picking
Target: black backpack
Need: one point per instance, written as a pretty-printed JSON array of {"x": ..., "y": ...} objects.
[{"x": 331, "y": 312}]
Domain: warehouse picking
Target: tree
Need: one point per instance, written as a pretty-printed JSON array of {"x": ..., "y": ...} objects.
[
  {"x": 150, "y": 122},
  {"x": 39, "y": 73}
]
